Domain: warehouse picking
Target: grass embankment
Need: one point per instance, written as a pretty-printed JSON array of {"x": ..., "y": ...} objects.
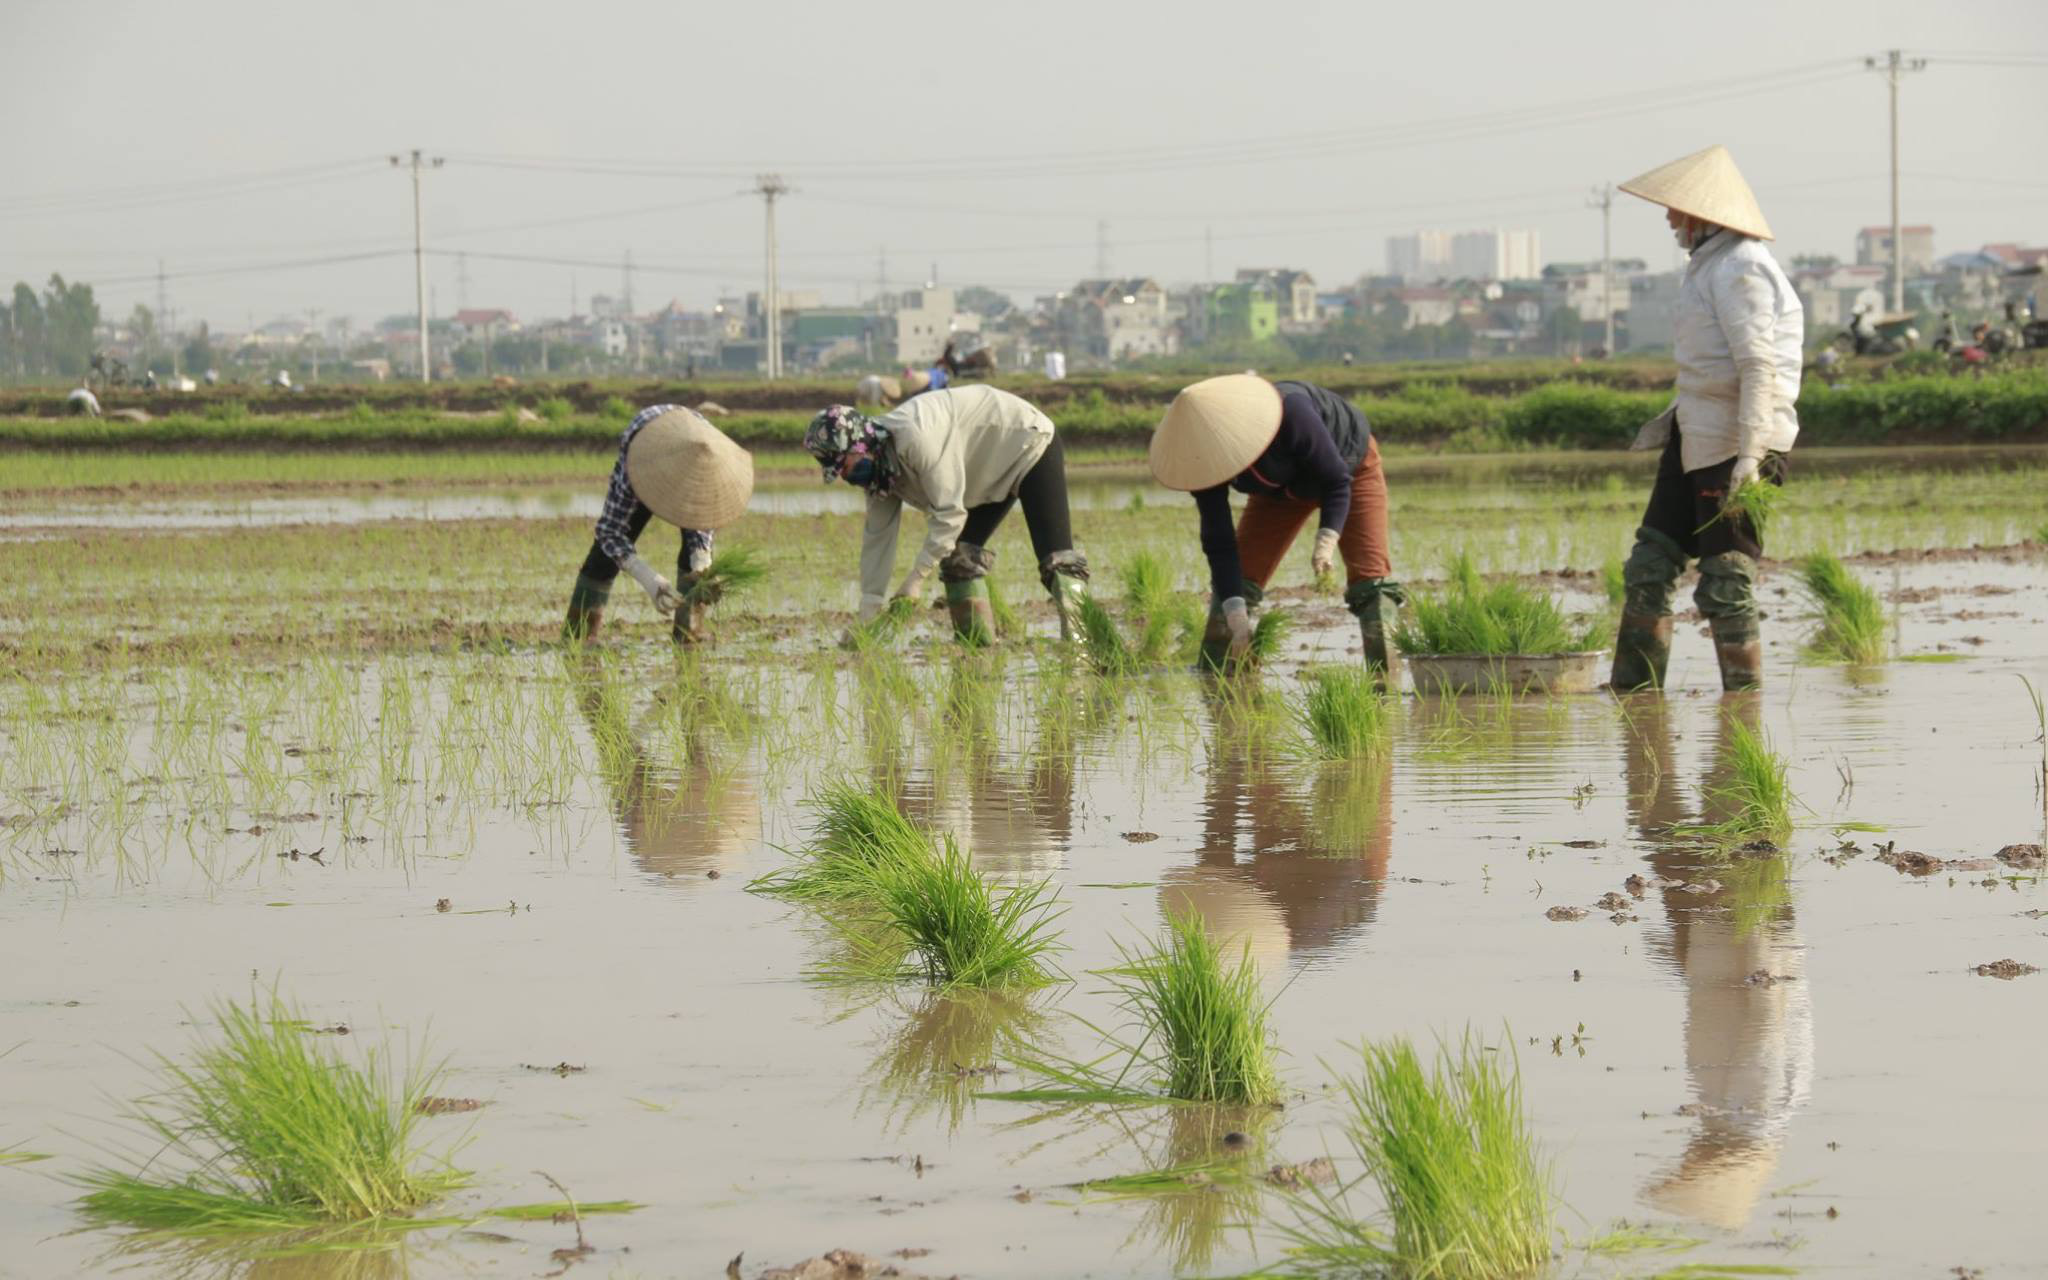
[{"x": 1445, "y": 408}]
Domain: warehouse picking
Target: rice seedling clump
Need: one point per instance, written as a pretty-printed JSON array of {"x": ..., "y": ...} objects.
[
  {"x": 1849, "y": 622},
  {"x": 905, "y": 905},
  {"x": 1343, "y": 712},
  {"x": 732, "y": 569},
  {"x": 1203, "y": 1024},
  {"x": 1465, "y": 1187},
  {"x": 1751, "y": 792},
  {"x": 1504, "y": 619},
  {"x": 265, "y": 1131}
]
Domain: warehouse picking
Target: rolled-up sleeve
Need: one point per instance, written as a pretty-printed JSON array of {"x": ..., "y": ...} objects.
[
  {"x": 1746, "y": 303},
  {"x": 1219, "y": 542}
]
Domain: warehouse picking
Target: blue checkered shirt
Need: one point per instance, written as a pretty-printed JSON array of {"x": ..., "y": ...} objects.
[{"x": 621, "y": 504}]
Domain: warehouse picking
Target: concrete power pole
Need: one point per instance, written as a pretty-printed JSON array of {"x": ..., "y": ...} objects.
[
  {"x": 1603, "y": 200},
  {"x": 163, "y": 313},
  {"x": 771, "y": 185},
  {"x": 1895, "y": 68},
  {"x": 419, "y": 253}
]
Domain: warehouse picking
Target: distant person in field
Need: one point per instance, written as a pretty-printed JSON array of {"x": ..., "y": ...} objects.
[
  {"x": 1298, "y": 450},
  {"x": 964, "y": 456},
  {"x": 673, "y": 464},
  {"x": 1739, "y": 333}
]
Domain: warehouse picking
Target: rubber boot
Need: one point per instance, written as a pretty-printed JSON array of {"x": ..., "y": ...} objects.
[
  {"x": 974, "y": 621},
  {"x": 1067, "y": 594},
  {"x": 1741, "y": 651},
  {"x": 1642, "y": 652},
  {"x": 1215, "y": 648},
  {"x": 1373, "y": 601},
  {"x": 1381, "y": 658},
  {"x": 689, "y": 625},
  {"x": 583, "y": 622}
]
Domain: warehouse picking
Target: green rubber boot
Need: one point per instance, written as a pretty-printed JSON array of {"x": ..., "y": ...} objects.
[
  {"x": 974, "y": 619},
  {"x": 1642, "y": 652}
]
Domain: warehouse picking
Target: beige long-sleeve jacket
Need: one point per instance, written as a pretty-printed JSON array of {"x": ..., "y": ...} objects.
[
  {"x": 955, "y": 449},
  {"x": 1738, "y": 336}
]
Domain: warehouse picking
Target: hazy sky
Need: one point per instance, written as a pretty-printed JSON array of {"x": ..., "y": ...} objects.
[{"x": 987, "y": 138}]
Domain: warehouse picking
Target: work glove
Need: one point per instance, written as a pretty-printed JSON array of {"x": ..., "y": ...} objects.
[
  {"x": 1239, "y": 620},
  {"x": 700, "y": 559},
  {"x": 1319, "y": 560},
  {"x": 658, "y": 589},
  {"x": 1744, "y": 472}
]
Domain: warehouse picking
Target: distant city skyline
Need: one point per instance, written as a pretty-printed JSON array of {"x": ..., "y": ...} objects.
[{"x": 1008, "y": 155}]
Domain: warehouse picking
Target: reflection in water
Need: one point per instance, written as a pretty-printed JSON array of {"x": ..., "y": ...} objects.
[
  {"x": 1282, "y": 866},
  {"x": 945, "y": 1049},
  {"x": 1739, "y": 958},
  {"x": 349, "y": 1252},
  {"x": 700, "y": 816},
  {"x": 1015, "y": 817},
  {"x": 1224, "y": 1148}
]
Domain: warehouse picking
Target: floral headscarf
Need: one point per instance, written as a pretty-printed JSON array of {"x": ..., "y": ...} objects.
[{"x": 842, "y": 430}]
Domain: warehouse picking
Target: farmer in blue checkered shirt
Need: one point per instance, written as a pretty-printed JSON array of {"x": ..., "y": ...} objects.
[{"x": 672, "y": 464}]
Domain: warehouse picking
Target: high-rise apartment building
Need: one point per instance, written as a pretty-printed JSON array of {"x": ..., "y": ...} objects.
[{"x": 1476, "y": 255}]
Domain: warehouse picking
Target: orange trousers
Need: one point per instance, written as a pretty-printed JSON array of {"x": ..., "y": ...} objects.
[{"x": 1269, "y": 525}]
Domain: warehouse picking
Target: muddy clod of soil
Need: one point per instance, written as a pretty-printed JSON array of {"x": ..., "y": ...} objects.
[
  {"x": 1613, "y": 902},
  {"x": 2020, "y": 855},
  {"x": 1700, "y": 886},
  {"x": 1765, "y": 978},
  {"x": 433, "y": 1106},
  {"x": 1565, "y": 913},
  {"x": 1140, "y": 837},
  {"x": 2007, "y": 969},
  {"x": 839, "y": 1264},
  {"x": 1307, "y": 1173}
]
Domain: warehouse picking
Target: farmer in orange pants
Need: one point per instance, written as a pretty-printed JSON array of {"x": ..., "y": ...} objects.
[{"x": 1297, "y": 450}]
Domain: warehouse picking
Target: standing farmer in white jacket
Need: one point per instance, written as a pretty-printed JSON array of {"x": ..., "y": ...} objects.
[
  {"x": 1738, "y": 332},
  {"x": 963, "y": 456}
]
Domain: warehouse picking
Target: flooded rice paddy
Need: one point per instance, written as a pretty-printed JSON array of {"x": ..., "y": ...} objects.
[{"x": 534, "y": 866}]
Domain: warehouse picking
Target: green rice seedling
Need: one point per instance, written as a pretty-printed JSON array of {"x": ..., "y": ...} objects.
[
  {"x": 1503, "y": 619},
  {"x": 732, "y": 569},
  {"x": 1161, "y": 613},
  {"x": 1203, "y": 1024},
  {"x": 884, "y": 626},
  {"x": 1269, "y": 634},
  {"x": 855, "y": 833},
  {"x": 1343, "y": 713},
  {"x": 1756, "y": 500},
  {"x": 15, "y": 1155},
  {"x": 1467, "y": 1193},
  {"x": 1106, "y": 647},
  {"x": 1849, "y": 625},
  {"x": 1613, "y": 582},
  {"x": 957, "y": 928},
  {"x": 1009, "y": 623},
  {"x": 1748, "y": 794},
  {"x": 267, "y": 1131}
]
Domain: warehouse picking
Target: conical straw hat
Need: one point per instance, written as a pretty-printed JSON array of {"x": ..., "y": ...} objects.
[
  {"x": 1214, "y": 430},
  {"x": 1707, "y": 185},
  {"x": 688, "y": 472}
]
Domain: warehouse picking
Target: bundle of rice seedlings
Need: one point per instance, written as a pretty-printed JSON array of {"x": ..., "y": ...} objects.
[
  {"x": 1505, "y": 618},
  {"x": 1614, "y": 581},
  {"x": 855, "y": 833},
  {"x": 1850, "y": 622},
  {"x": 1203, "y": 1024},
  {"x": 1343, "y": 712},
  {"x": 1467, "y": 1194},
  {"x": 1757, "y": 500},
  {"x": 732, "y": 569},
  {"x": 1269, "y": 634},
  {"x": 1750, "y": 794},
  {"x": 265, "y": 1130},
  {"x": 1009, "y": 623},
  {"x": 1159, "y": 610},
  {"x": 884, "y": 626},
  {"x": 960, "y": 929},
  {"x": 1106, "y": 647}
]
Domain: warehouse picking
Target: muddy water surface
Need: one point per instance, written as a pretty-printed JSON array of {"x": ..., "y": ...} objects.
[{"x": 1795, "y": 1064}]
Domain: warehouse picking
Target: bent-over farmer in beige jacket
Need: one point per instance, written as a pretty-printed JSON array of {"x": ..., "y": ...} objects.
[{"x": 963, "y": 456}]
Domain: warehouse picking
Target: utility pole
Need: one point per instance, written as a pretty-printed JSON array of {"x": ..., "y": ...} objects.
[
  {"x": 1603, "y": 200},
  {"x": 313, "y": 332},
  {"x": 419, "y": 252},
  {"x": 1895, "y": 68},
  {"x": 163, "y": 311},
  {"x": 771, "y": 185},
  {"x": 462, "y": 282}
]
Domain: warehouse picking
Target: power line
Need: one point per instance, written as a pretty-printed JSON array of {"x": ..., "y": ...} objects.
[{"x": 185, "y": 191}]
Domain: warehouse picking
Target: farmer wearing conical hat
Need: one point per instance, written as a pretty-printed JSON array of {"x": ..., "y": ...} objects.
[
  {"x": 672, "y": 464},
  {"x": 1738, "y": 334},
  {"x": 963, "y": 456},
  {"x": 1298, "y": 450}
]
